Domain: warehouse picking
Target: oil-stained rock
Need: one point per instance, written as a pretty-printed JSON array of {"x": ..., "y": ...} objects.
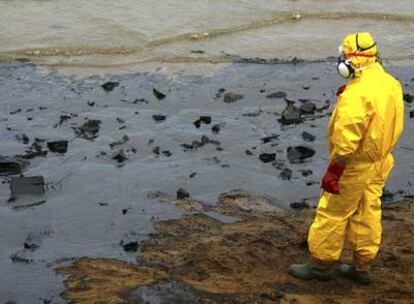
[
  {"x": 267, "y": 157},
  {"x": 408, "y": 97},
  {"x": 89, "y": 130},
  {"x": 232, "y": 97},
  {"x": 270, "y": 138},
  {"x": 299, "y": 154},
  {"x": 12, "y": 165},
  {"x": 203, "y": 119},
  {"x": 27, "y": 185},
  {"x": 299, "y": 205},
  {"x": 110, "y": 85},
  {"x": 159, "y": 117},
  {"x": 182, "y": 194},
  {"x": 156, "y": 150},
  {"x": 286, "y": 174},
  {"x": 308, "y": 136},
  {"x": 240, "y": 202},
  {"x": 60, "y": 146},
  {"x": 307, "y": 172},
  {"x": 166, "y": 153},
  {"x": 291, "y": 114},
  {"x": 122, "y": 141},
  {"x": 35, "y": 150},
  {"x": 23, "y": 138},
  {"x": 278, "y": 94},
  {"x": 307, "y": 108},
  {"x": 120, "y": 156},
  {"x": 15, "y": 111},
  {"x": 217, "y": 127},
  {"x": 198, "y": 144},
  {"x": 159, "y": 95},
  {"x": 130, "y": 247}
]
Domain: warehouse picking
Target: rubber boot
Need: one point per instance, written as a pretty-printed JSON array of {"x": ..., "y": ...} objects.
[
  {"x": 310, "y": 270},
  {"x": 349, "y": 272}
]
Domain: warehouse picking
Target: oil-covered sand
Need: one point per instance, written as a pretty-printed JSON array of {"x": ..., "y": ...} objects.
[
  {"x": 198, "y": 259},
  {"x": 109, "y": 229}
]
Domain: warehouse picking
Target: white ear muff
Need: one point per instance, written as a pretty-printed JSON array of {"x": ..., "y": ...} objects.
[{"x": 343, "y": 70}]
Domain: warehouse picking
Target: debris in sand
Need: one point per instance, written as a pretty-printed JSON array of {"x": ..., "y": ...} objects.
[
  {"x": 278, "y": 94},
  {"x": 248, "y": 152},
  {"x": 29, "y": 244},
  {"x": 182, "y": 194},
  {"x": 298, "y": 154},
  {"x": 193, "y": 174},
  {"x": 27, "y": 185},
  {"x": 60, "y": 146},
  {"x": 15, "y": 111},
  {"x": 308, "y": 136},
  {"x": 253, "y": 114},
  {"x": 197, "y": 144},
  {"x": 270, "y": 138},
  {"x": 23, "y": 138},
  {"x": 412, "y": 114},
  {"x": 20, "y": 258},
  {"x": 308, "y": 108},
  {"x": 219, "y": 93},
  {"x": 408, "y": 97},
  {"x": 35, "y": 150},
  {"x": 91, "y": 103},
  {"x": 286, "y": 174},
  {"x": 159, "y": 117},
  {"x": 120, "y": 120},
  {"x": 217, "y": 127},
  {"x": 267, "y": 157},
  {"x": 11, "y": 165},
  {"x": 158, "y": 94},
  {"x": 89, "y": 130},
  {"x": 307, "y": 172},
  {"x": 232, "y": 97},
  {"x": 299, "y": 205},
  {"x": 166, "y": 153},
  {"x": 110, "y": 85},
  {"x": 197, "y": 51},
  {"x": 203, "y": 119},
  {"x": 122, "y": 141},
  {"x": 64, "y": 118},
  {"x": 291, "y": 114},
  {"x": 156, "y": 150},
  {"x": 120, "y": 156}
]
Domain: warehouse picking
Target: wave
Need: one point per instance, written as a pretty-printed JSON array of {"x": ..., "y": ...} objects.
[{"x": 275, "y": 19}]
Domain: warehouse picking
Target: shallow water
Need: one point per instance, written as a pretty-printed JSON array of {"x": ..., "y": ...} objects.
[
  {"x": 72, "y": 223},
  {"x": 101, "y": 34}
]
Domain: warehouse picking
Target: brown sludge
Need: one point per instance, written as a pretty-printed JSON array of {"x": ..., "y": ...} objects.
[{"x": 245, "y": 261}]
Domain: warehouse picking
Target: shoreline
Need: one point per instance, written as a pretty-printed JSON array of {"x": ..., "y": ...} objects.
[{"x": 93, "y": 202}]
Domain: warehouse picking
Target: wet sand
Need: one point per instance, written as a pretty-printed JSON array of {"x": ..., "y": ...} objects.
[{"x": 93, "y": 202}]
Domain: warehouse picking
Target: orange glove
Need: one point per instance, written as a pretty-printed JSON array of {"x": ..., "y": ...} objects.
[{"x": 331, "y": 178}]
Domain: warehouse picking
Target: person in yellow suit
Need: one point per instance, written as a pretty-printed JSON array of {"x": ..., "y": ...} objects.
[{"x": 365, "y": 126}]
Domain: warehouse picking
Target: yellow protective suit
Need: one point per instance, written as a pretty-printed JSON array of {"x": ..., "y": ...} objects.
[{"x": 364, "y": 127}]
